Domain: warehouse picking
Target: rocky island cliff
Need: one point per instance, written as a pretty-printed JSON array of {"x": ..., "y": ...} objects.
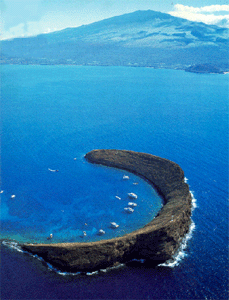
[{"x": 156, "y": 242}]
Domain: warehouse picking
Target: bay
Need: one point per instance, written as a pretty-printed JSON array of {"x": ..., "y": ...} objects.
[{"x": 53, "y": 114}]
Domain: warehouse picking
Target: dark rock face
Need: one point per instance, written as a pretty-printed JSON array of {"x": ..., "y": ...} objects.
[{"x": 157, "y": 242}]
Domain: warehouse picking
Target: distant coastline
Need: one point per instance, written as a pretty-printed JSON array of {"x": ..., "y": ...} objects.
[
  {"x": 20, "y": 62},
  {"x": 200, "y": 69},
  {"x": 138, "y": 39},
  {"x": 156, "y": 242}
]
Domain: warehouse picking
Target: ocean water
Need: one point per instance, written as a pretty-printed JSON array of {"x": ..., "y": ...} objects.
[
  {"x": 40, "y": 136},
  {"x": 51, "y": 116}
]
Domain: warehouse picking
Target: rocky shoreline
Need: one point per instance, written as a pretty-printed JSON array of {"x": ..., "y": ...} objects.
[{"x": 156, "y": 242}]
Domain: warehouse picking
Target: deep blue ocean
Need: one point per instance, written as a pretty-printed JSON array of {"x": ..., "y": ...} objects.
[{"x": 51, "y": 116}]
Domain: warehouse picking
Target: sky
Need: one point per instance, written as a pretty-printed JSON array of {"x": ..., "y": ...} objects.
[{"x": 22, "y": 18}]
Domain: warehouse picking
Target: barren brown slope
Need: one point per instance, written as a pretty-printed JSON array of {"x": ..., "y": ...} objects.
[{"x": 157, "y": 242}]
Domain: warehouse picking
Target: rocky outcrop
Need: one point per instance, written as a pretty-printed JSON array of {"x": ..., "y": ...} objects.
[{"x": 156, "y": 242}]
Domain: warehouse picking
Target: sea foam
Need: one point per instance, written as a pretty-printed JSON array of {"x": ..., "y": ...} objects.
[
  {"x": 13, "y": 245},
  {"x": 181, "y": 254}
]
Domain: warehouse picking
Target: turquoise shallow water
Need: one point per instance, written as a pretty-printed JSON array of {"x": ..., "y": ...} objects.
[
  {"x": 90, "y": 205},
  {"x": 53, "y": 114}
]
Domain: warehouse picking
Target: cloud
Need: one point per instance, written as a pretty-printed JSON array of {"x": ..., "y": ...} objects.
[
  {"x": 212, "y": 14},
  {"x": 16, "y": 12},
  {"x": 210, "y": 8},
  {"x": 18, "y": 30},
  {"x": 45, "y": 25}
]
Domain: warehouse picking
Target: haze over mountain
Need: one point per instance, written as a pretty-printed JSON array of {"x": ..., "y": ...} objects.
[{"x": 142, "y": 38}]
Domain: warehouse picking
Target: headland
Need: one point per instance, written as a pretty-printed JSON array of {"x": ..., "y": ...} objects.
[{"x": 156, "y": 242}]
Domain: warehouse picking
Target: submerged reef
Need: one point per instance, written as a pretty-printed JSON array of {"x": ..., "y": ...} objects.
[{"x": 156, "y": 242}]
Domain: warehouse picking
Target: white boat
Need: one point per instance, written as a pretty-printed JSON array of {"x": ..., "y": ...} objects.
[
  {"x": 101, "y": 232},
  {"x": 53, "y": 170},
  {"x": 117, "y": 197},
  {"x": 129, "y": 210},
  {"x": 50, "y": 236},
  {"x": 125, "y": 177},
  {"x": 1, "y": 192},
  {"x": 114, "y": 225},
  {"x": 12, "y": 196},
  {"x": 132, "y": 204},
  {"x": 84, "y": 233},
  {"x": 132, "y": 195}
]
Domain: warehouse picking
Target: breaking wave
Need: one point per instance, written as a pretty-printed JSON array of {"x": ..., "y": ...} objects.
[{"x": 181, "y": 254}]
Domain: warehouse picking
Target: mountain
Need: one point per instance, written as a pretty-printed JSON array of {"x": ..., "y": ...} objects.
[{"x": 142, "y": 38}]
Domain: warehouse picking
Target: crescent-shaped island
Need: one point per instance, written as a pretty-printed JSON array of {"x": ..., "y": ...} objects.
[{"x": 156, "y": 242}]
